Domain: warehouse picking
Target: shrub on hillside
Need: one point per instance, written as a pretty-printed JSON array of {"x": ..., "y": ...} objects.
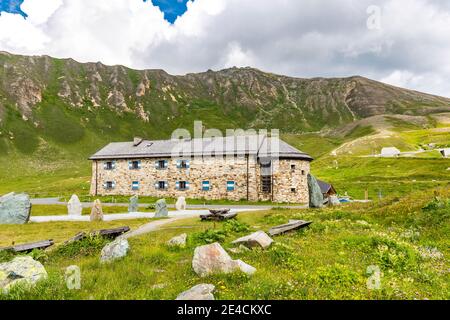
[
  {"x": 235, "y": 226},
  {"x": 209, "y": 236},
  {"x": 91, "y": 245}
]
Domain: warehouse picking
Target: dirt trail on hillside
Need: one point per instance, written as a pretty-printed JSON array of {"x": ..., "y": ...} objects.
[{"x": 152, "y": 226}]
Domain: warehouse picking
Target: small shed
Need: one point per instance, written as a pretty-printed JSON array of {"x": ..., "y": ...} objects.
[
  {"x": 390, "y": 152},
  {"x": 445, "y": 152},
  {"x": 326, "y": 188}
]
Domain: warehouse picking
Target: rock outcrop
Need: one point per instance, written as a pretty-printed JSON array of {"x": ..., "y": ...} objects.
[
  {"x": 181, "y": 204},
  {"x": 115, "y": 250},
  {"x": 161, "y": 210},
  {"x": 256, "y": 239},
  {"x": 15, "y": 208},
  {"x": 97, "y": 211},
  {"x": 315, "y": 194},
  {"x": 74, "y": 207},
  {"x": 198, "y": 292},
  {"x": 134, "y": 204},
  {"x": 21, "y": 270},
  {"x": 178, "y": 241},
  {"x": 212, "y": 258}
]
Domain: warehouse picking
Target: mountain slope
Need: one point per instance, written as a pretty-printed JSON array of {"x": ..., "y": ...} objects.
[
  {"x": 63, "y": 101},
  {"x": 54, "y": 113}
]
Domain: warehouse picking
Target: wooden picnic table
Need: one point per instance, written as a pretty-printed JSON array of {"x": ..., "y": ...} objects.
[{"x": 218, "y": 215}]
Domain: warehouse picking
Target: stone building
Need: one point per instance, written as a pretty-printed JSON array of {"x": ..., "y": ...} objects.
[
  {"x": 390, "y": 152},
  {"x": 254, "y": 168}
]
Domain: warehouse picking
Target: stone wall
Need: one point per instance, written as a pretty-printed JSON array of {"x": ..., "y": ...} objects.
[
  {"x": 286, "y": 178},
  {"x": 245, "y": 172}
]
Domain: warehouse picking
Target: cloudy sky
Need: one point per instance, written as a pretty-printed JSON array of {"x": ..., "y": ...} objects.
[{"x": 401, "y": 42}]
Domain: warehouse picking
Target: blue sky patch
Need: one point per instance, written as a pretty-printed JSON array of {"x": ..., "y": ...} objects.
[
  {"x": 12, "y": 6},
  {"x": 172, "y": 9}
]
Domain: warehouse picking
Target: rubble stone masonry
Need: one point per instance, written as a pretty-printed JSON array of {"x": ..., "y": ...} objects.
[{"x": 289, "y": 179}]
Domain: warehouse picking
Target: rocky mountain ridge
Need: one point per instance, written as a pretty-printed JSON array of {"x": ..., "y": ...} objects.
[{"x": 93, "y": 96}]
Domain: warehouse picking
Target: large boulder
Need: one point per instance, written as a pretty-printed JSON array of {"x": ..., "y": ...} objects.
[
  {"x": 212, "y": 258},
  {"x": 178, "y": 241},
  {"x": 256, "y": 239},
  {"x": 21, "y": 270},
  {"x": 97, "y": 211},
  {"x": 161, "y": 210},
  {"x": 315, "y": 194},
  {"x": 134, "y": 204},
  {"x": 115, "y": 250},
  {"x": 15, "y": 208},
  {"x": 199, "y": 292},
  {"x": 181, "y": 204},
  {"x": 74, "y": 207}
]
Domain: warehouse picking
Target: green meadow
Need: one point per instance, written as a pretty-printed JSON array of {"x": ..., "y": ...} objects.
[{"x": 404, "y": 239}]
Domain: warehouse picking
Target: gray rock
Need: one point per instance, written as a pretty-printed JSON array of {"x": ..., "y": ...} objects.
[
  {"x": 115, "y": 250},
  {"x": 181, "y": 204},
  {"x": 97, "y": 211},
  {"x": 315, "y": 194},
  {"x": 212, "y": 258},
  {"x": 245, "y": 268},
  {"x": 74, "y": 207},
  {"x": 161, "y": 209},
  {"x": 333, "y": 201},
  {"x": 134, "y": 204},
  {"x": 21, "y": 270},
  {"x": 178, "y": 241},
  {"x": 239, "y": 249},
  {"x": 15, "y": 208},
  {"x": 199, "y": 292},
  {"x": 256, "y": 239}
]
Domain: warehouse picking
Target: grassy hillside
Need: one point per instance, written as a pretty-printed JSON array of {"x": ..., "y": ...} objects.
[
  {"x": 346, "y": 159},
  {"x": 405, "y": 238},
  {"x": 352, "y": 169},
  {"x": 55, "y": 113}
]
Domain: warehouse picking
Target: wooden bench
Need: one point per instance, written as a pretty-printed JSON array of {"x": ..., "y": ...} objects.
[
  {"x": 28, "y": 247},
  {"x": 108, "y": 233},
  {"x": 290, "y": 226}
]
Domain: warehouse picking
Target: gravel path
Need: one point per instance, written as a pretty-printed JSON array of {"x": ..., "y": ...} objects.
[
  {"x": 55, "y": 201},
  {"x": 118, "y": 216},
  {"x": 144, "y": 229}
]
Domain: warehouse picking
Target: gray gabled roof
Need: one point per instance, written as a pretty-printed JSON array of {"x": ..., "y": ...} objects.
[
  {"x": 324, "y": 186},
  {"x": 261, "y": 146}
]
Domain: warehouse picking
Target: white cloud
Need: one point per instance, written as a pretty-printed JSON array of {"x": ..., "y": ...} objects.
[
  {"x": 236, "y": 57},
  {"x": 18, "y": 35},
  {"x": 40, "y": 10},
  {"x": 299, "y": 38}
]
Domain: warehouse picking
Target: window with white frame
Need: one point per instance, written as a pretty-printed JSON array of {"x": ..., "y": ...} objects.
[
  {"x": 134, "y": 165},
  {"x": 109, "y": 185},
  {"x": 183, "y": 164},
  {"x": 161, "y": 185},
  {"x": 182, "y": 185},
  {"x": 161, "y": 164},
  {"x": 109, "y": 165}
]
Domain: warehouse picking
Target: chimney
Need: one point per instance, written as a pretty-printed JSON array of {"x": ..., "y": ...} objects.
[{"x": 137, "y": 141}]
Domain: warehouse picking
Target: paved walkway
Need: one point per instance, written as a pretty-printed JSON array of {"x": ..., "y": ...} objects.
[
  {"x": 118, "y": 216},
  {"x": 55, "y": 201}
]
